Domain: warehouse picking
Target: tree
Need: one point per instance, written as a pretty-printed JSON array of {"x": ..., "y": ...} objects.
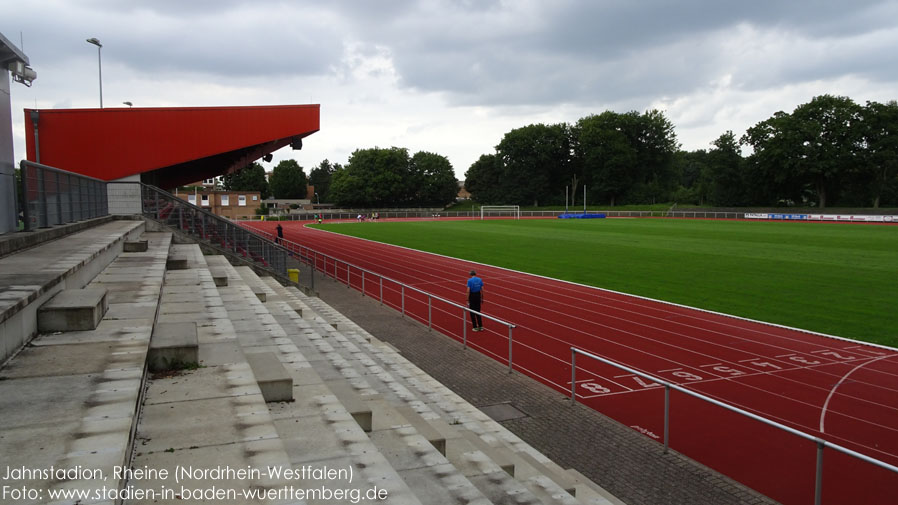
[
  {"x": 248, "y": 178},
  {"x": 320, "y": 177},
  {"x": 693, "y": 177},
  {"x": 484, "y": 180},
  {"x": 536, "y": 162},
  {"x": 881, "y": 140},
  {"x": 772, "y": 141},
  {"x": 288, "y": 180},
  {"x": 435, "y": 183},
  {"x": 815, "y": 147},
  {"x": 627, "y": 156},
  {"x": 725, "y": 165},
  {"x": 608, "y": 152},
  {"x": 831, "y": 141},
  {"x": 374, "y": 178}
]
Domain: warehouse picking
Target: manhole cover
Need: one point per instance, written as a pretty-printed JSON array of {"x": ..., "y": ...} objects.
[{"x": 502, "y": 412}]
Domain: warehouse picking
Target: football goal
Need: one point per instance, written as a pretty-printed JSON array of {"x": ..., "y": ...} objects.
[{"x": 512, "y": 211}]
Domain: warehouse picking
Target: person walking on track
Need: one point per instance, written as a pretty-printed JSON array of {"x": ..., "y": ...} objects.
[{"x": 475, "y": 298}]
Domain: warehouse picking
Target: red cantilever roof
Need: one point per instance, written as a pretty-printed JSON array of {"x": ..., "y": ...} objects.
[{"x": 166, "y": 146}]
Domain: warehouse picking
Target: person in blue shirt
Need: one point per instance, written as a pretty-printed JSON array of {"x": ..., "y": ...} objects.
[{"x": 475, "y": 298}]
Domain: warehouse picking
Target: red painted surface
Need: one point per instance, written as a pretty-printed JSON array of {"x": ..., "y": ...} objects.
[
  {"x": 783, "y": 374},
  {"x": 114, "y": 143}
]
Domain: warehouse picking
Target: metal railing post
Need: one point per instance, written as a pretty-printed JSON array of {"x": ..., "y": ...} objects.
[
  {"x": 363, "y": 283},
  {"x": 464, "y": 329},
  {"x": 403, "y": 300},
  {"x": 510, "y": 327},
  {"x": 58, "y": 200},
  {"x": 666, "y": 417},
  {"x": 69, "y": 193},
  {"x": 573, "y": 376},
  {"x": 429, "y": 320},
  {"x": 42, "y": 198},
  {"x": 381, "y": 290},
  {"x": 818, "y": 479}
]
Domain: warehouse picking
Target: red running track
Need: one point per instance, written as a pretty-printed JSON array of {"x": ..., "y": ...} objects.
[{"x": 842, "y": 391}]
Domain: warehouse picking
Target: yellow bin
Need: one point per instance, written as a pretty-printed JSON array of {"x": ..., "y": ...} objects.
[{"x": 293, "y": 273}]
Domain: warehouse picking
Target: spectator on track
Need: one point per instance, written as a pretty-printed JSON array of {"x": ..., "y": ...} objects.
[
  {"x": 475, "y": 298},
  {"x": 280, "y": 234}
]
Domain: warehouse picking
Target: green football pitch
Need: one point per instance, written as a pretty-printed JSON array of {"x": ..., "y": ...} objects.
[{"x": 839, "y": 279}]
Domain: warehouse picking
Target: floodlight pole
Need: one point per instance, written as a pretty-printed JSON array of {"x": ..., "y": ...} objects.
[
  {"x": 96, "y": 42},
  {"x": 584, "y": 199}
]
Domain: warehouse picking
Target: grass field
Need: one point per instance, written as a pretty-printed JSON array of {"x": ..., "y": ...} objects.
[{"x": 839, "y": 279}]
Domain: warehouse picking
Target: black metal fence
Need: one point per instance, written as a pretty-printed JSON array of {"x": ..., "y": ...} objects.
[{"x": 53, "y": 196}]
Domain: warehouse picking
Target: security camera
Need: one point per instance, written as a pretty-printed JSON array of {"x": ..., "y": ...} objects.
[{"x": 22, "y": 73}]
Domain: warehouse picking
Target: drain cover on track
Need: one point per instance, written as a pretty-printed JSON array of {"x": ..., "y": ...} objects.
[{"x": 502, "y": 412}]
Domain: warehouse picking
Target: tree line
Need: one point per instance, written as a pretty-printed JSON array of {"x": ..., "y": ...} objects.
[
  {"x": 372, "y": 178},
  {"x": 830, "y": 151}
]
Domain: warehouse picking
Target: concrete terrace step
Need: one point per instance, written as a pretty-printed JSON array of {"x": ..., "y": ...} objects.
[
  {"x": 213, "y": 416},
  {"x": 316, "y": 428},
  {"x": 541, "y": 476},
  {"x": 71, "y": 399},
  {"x": 398, "y": 408},
  {"x": 31, "y": 277}
]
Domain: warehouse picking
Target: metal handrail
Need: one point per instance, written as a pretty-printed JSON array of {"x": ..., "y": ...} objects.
[
  {"x": 199, "y": 221},
  {"x": 430, "y": 297},
  {"x": 821, "y": 443}
]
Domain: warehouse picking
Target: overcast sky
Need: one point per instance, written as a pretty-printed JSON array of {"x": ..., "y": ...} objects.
[{"x": 453, "y": 76}]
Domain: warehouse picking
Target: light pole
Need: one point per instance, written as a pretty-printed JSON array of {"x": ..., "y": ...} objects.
[
  {"x": 317, "y": 200},
  {"x": 96, "y": 42}
]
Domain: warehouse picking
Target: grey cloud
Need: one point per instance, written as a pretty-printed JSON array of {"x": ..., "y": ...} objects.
[
  {"x": 611, "y": 51},
  {"x": 229, "y": 41}
]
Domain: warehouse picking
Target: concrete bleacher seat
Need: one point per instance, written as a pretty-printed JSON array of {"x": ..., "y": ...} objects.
[
  {"x": 271, "y": 376},
  {"x": 33, "y": 276},
  {"x": 73, "y": 310},
  {"x": 135, "y": 246},
  {"x": 219, "y": 276},
  {"x": 173, "y": 346}
]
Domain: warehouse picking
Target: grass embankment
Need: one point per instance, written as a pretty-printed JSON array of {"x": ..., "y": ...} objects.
[{"x": 838, "y": 279}]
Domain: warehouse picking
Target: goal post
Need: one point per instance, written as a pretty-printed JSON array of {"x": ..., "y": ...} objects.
[{"x": 512, "y": 211}]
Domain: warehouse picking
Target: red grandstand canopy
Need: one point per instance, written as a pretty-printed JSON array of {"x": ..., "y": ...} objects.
[{"x": 168, "y": 146}]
